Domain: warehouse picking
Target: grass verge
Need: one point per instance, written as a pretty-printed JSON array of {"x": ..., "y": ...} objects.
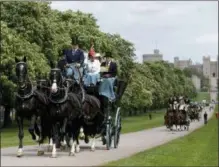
[
  {"x": 199, "y": 148},
  {"x": 202, "y": 96},
  {"x": 9, "y": 136}
]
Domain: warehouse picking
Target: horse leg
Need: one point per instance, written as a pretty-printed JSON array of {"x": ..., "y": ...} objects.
[
  {"x": 31, "y": 128},
  {"x": 93, "y": 143},
  {"x": 39, "y": 125},
  {"x": 20, "y": 136},
  {"x": 50, "y": 144},
  {"x": 55, "y": 140},
  {"x": 77, "y": 145},
  {"x": 63, "y": 133},
  {"x": 73, "y": 145}
]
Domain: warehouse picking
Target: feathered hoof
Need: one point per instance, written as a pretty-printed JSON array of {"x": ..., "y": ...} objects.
[
  {"x": 19, "y": 154},
  {"x": 53, "y": 156},
  {"x": 71, "y": 154},
  {"x": 92, "y": 149},
  {"x": 40, "y": 152},
  {"x": 77, "y": 149}
]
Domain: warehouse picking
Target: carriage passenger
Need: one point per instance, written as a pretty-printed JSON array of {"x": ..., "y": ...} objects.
[
  {"x": 109, "y": 66},
  {"x": 92, "y": 75},
  {"x": 75, "y": 59}
]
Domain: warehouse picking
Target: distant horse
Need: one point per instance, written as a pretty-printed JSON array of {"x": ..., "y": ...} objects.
[
  {"x": 172, "y": 116},
  {"x": 29, "y": 104},
  {"x": 65, "y": 109}
]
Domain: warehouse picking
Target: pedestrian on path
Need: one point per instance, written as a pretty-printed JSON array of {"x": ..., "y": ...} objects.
[
  {"x": 150, "y": 116},
  {"x": 205, "y": 118}
]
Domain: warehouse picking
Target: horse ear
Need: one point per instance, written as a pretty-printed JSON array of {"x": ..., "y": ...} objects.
[
  {"x": 51, "y": 64},
  {"x": 16, "y": 60},
  {"x": 25, "y": 59}
]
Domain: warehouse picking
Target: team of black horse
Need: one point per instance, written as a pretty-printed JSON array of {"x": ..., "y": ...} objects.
[{"x": 57, "y": 109}]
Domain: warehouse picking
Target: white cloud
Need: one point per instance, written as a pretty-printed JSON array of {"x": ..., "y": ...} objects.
[{"x": 176, "y": 26}]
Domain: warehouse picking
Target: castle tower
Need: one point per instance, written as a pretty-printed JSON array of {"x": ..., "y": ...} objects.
[{"x": 206, "y": 66}]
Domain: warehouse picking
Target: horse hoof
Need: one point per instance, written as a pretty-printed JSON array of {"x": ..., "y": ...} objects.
[
  {"x": 77, "y": 150},
  {"x": 39, "y": 153},
  {"x": 53, "y": 156},
  {"x": 92, "y": 149},
  {"x": 71, "y": 154},
  {"x": 19, "y": 154}
]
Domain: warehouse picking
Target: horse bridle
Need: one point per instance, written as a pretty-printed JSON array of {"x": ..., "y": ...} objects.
[{"x": 27, "y": 96}]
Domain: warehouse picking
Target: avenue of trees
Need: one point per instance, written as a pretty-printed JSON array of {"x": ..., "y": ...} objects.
[{"x": 34, "y": 30}]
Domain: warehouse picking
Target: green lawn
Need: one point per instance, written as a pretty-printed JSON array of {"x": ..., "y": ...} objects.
[
  {"x": 202, "y": 96},
  {"x": 137, "y": 123},
  {"x": 199, "y": 148},
  {"x": 129, "y": 124}
]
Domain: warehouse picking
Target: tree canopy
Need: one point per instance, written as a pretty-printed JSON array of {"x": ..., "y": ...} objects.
[{"x": 34, "y": 30}]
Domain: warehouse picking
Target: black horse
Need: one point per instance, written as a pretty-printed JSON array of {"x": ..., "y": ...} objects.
[
  {"x": 46, "y": 124},
  {"x": 28, "y": 104},
  {"x": 65, "y": 110}
]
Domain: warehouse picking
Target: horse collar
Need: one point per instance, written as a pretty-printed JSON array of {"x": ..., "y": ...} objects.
[
  {"x": 25, "y": 96},
  {"x": 61, "y": 100}
]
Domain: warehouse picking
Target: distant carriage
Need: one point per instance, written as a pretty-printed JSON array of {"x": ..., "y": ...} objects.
[{"x": 176, "y": 115}]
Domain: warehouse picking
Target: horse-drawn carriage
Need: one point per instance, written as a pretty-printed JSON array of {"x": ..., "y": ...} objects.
[
  {"x": 58, "y": 108},
  {"x": 194, "y": 111},
  {"x": 176, "y": 115}
]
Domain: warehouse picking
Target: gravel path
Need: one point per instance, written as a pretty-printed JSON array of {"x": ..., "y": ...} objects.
[{"x": 129, "y": 144}]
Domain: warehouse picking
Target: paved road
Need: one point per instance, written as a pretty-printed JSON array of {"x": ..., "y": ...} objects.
[{"x": 130, "y": 144}]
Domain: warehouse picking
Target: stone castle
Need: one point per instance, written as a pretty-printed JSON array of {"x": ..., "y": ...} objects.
[{"x": 208, "y": 67}]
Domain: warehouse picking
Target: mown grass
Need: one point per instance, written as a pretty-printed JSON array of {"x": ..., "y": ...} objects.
[
  {"x": 199, "y": 148},
  {"x": 202, "y": 96},
  {"x": 9, "y": 136},
  {"x": 137, "y": 123}
]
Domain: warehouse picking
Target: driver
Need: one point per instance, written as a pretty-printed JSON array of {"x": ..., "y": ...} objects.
[{"x": 75, "y": 59}]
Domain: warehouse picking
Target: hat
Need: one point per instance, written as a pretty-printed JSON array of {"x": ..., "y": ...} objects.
[
  {"x": 108, "y": 54},
  {"x": 74, "y": 40}
]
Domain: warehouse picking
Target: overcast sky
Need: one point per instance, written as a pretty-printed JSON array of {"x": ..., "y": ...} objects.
[{"x": 183, "y": 29}]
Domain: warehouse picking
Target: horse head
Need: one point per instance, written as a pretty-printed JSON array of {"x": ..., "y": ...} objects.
[
  {"x": 21, "y": 71},
  {"x": 55, "y": 80}
]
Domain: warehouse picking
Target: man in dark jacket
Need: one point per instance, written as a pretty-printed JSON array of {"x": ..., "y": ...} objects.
[
  {"x": 205, "y": 118},
  {"x": 75, "y": 59}
]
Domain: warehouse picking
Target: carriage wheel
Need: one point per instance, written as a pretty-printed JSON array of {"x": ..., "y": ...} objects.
[
  {"x": 108, "y": 136},
  {"x": 117, "y": 128}
]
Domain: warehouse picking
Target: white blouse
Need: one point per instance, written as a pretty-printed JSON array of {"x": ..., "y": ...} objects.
[{"x": 93, "y": 67}]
